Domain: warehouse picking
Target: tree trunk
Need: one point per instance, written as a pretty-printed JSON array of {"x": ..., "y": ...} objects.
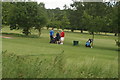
[
  {"x": 99, "y": 33},
  {"x": 39, "y": 32},
  {"x": 105, "y": 33},
  {"x": 115, "y": 34},
  {"x": 81, "y": 31},
  {"x": 47, "y": 28},
  {"x": 26, "y": 31},
  {"x": 92, "y": 39},
  {"x": 72, "y": 30}
]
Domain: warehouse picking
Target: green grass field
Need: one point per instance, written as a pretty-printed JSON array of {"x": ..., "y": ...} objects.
[{"x": 33, "y": 57}]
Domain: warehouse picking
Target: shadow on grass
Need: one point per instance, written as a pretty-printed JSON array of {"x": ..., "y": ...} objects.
[
  {"x": 106, "y": 48},
  {"x": 90, "y": 34},
  {"x": 94, "y": 47},
  {"x": 19, "y": 35},
  {"x": 40, "y": 55}
]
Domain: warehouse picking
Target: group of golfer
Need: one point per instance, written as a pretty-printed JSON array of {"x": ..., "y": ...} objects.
[{"x": 58, "y": 38}]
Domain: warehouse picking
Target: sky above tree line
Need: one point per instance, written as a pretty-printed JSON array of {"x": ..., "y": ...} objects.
[{"x": 52, "y": 4}]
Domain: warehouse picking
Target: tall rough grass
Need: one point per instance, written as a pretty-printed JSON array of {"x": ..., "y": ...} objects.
[{"x": 15, "y": 66}]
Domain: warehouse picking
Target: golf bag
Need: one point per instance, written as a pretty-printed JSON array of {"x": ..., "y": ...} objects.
[{"x": 53, "y": 40}]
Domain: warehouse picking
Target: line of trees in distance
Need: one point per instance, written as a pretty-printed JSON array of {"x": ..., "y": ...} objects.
[{"x": 94, "y": 17}]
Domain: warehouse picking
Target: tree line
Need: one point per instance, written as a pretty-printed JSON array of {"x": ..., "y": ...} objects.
[{"x": 94, "y": 17}]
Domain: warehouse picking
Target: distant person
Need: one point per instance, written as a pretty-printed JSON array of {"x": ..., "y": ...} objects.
[
  {"x": 88, "y": 43},
  {"x": 58, "y": 37},
  {"x": 51, "y": 35},
  {"x": 62, "y": 35}
]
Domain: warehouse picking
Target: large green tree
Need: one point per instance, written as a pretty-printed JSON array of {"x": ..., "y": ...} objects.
[
  {"x": 94, "y": 16},
  {"x": 5, "y": 11},
  {"x": 76, "y": 16},
  {"x": 57, "y": 18},
  {"x": 25, "y": 16},
  {"x": 114, "y": 18},
  {"x": 41, "y": 18},
  {"x": 89, "y": 16},
  {"x": 22, "y": 16}
]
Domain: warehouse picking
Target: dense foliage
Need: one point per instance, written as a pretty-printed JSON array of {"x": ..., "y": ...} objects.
[
  {"x": 94, "y": 17},
  {"x": 24, "y": 15}
]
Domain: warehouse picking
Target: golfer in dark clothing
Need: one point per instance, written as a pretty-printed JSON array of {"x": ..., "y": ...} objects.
[
  {"x": 51, "y": 35},
  {"x": 58, "y": 37}
]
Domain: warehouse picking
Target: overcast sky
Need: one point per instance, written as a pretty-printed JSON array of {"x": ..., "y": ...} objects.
[{"x": 52, "y": 4}]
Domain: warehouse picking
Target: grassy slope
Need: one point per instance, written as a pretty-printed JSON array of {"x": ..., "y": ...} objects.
[{"x": 103, "y": 54}]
